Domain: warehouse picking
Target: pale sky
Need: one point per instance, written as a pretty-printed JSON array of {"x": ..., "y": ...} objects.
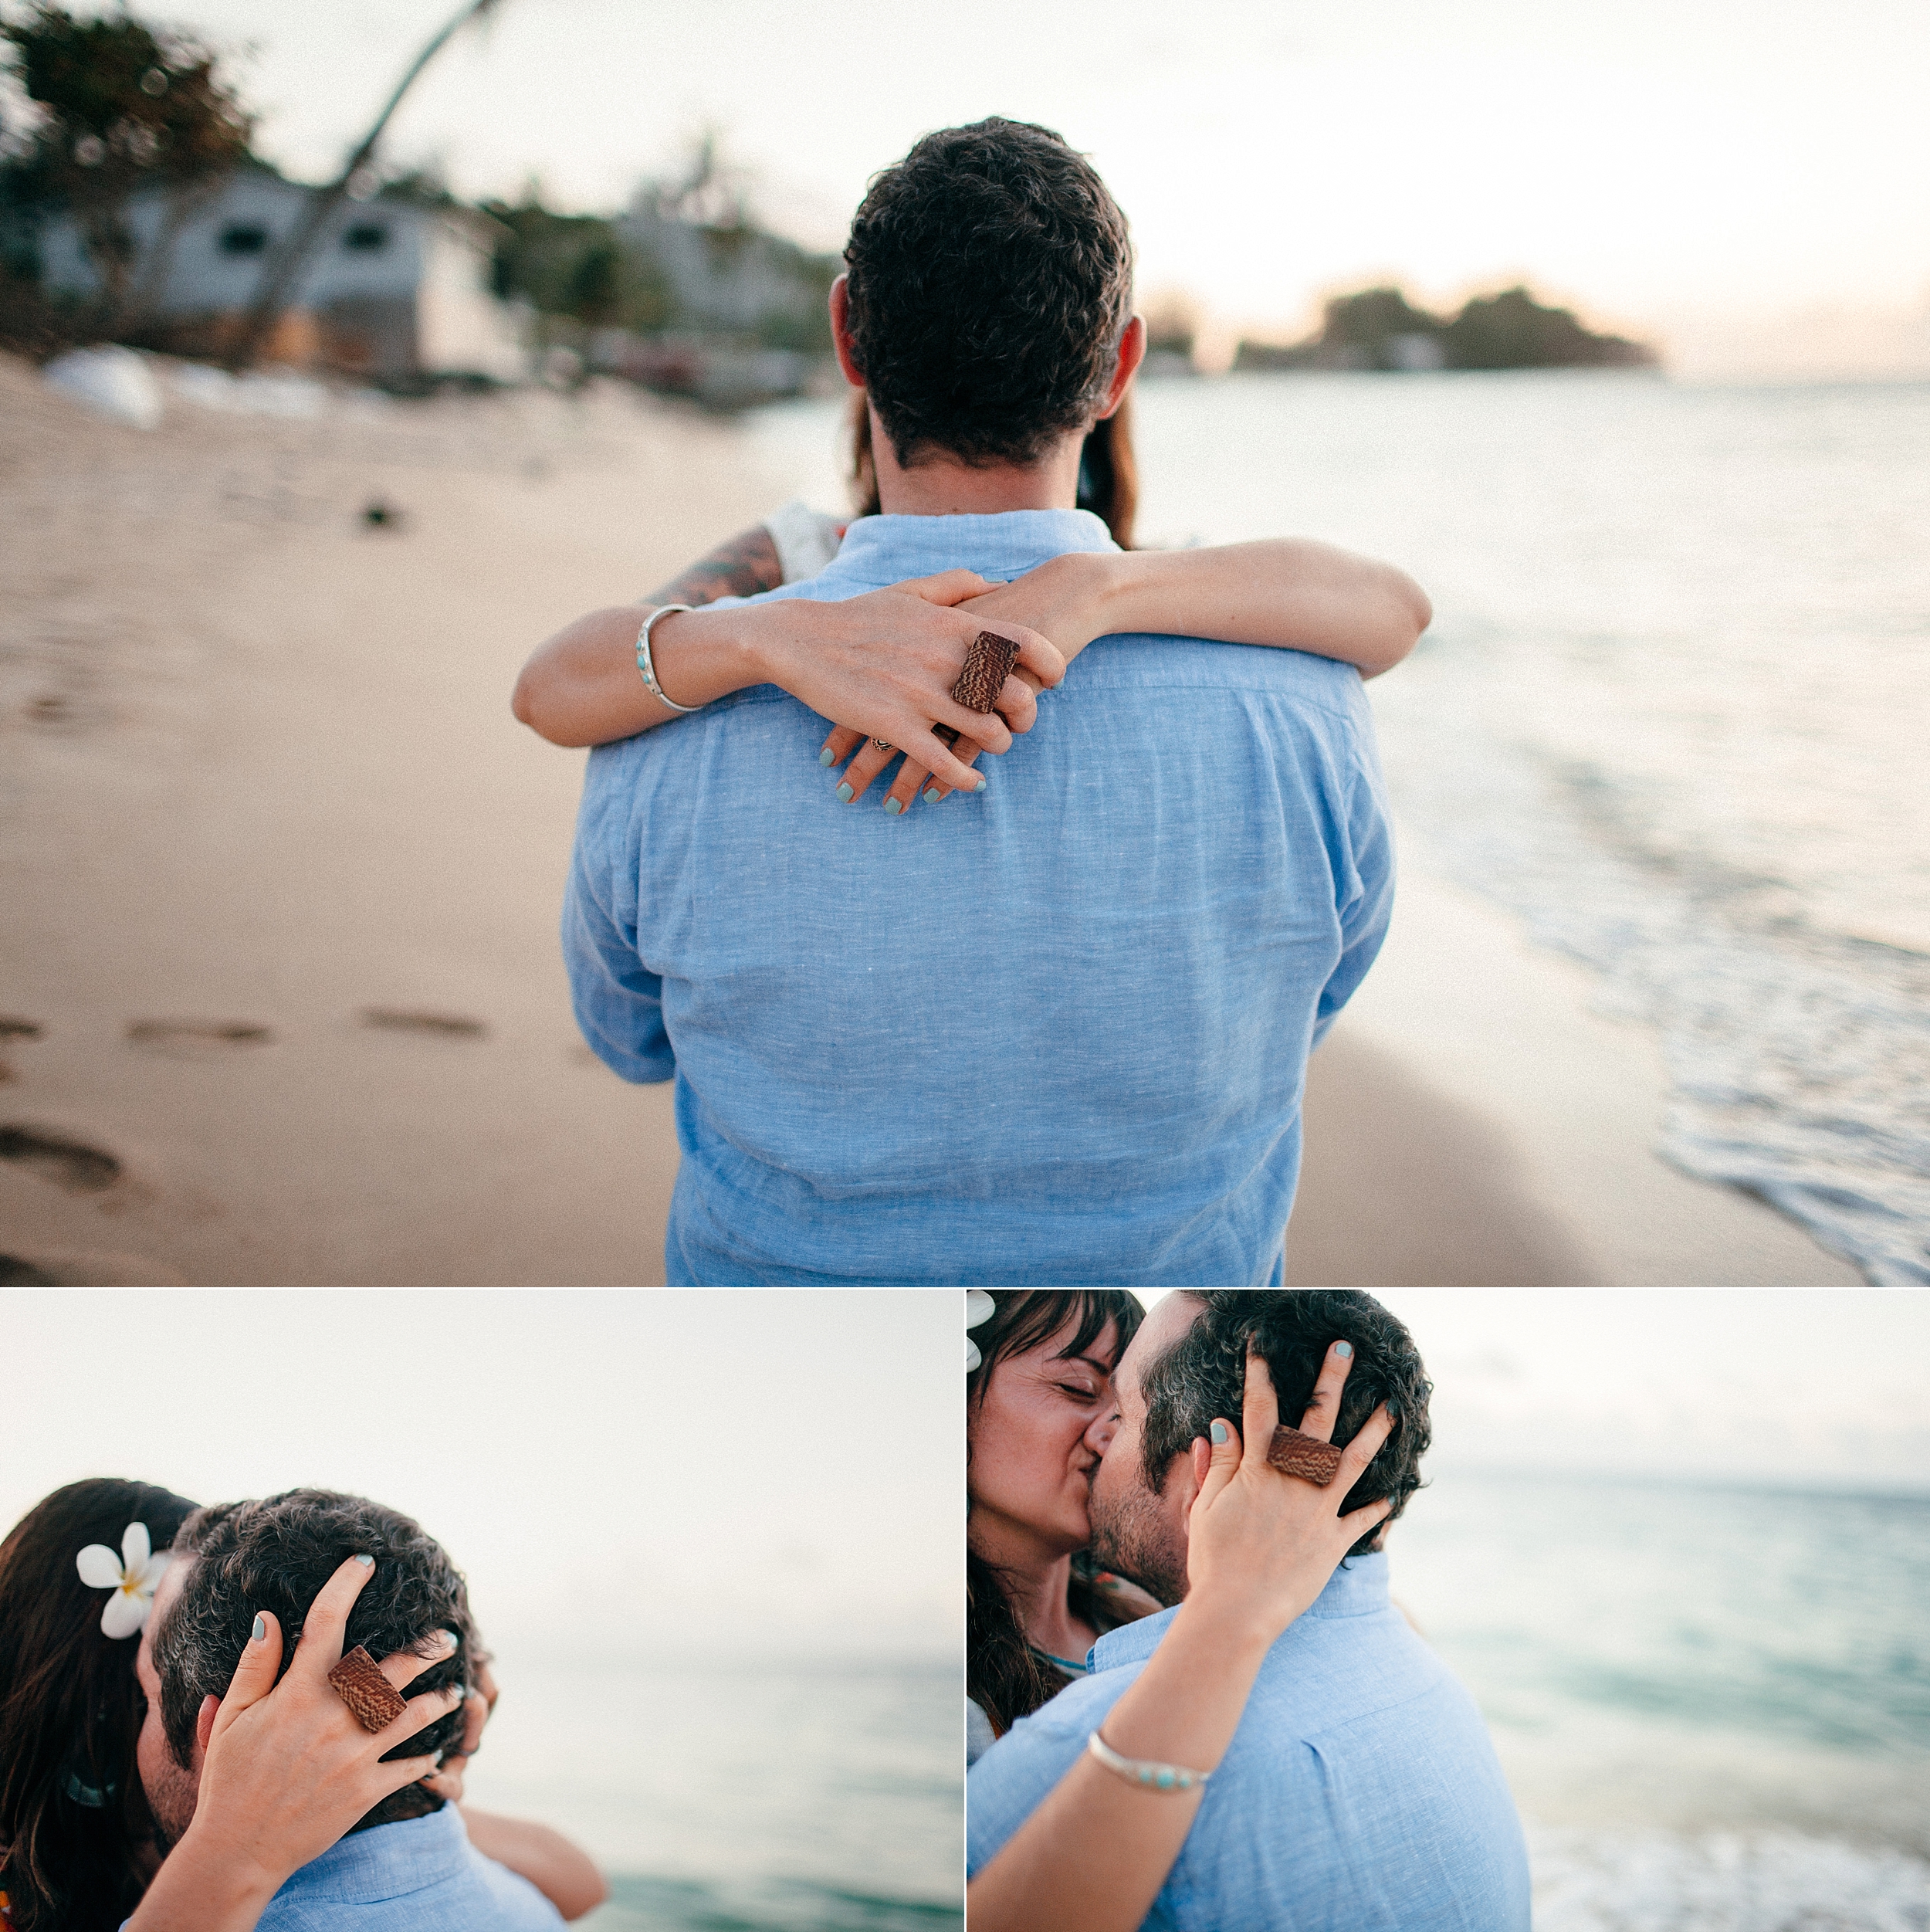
[
  {"x": 1828, "y": 1386},
  {"x": 654, "y": 1469},
  {"x": 1670, "y": 165}
]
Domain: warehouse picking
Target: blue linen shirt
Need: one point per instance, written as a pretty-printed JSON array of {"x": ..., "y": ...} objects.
[
  {"x": 1360, "y": 1792},
  {"x": 1054, "y": 1032},
  {"x": 421, "y": 1875}
]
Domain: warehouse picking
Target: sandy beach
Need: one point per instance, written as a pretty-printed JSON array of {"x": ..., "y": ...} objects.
[{"x": 278, "y": 977}]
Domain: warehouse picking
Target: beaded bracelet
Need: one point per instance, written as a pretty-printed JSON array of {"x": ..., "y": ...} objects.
[
  {"x": 649, "y": 670},
  {"x": 1147, "y": 1772}
]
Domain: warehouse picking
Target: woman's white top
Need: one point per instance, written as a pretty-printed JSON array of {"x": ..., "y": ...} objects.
[{"x": 807, "y": 539}]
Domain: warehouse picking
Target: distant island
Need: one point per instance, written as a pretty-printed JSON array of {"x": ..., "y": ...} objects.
[{"x": 1381, "y": 329}]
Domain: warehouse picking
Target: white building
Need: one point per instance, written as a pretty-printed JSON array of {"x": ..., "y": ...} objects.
[{"x": 394, "y": 289}]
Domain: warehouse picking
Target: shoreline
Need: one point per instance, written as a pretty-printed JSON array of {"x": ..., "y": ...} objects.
[{"x": 283, "y": 880}]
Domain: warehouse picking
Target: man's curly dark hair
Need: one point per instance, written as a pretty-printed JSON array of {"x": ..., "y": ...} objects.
[
  {"x": 276, "y": 1555},
  {"x": 1203, "y": 1374},
  {"x": 990, "y": 281}
]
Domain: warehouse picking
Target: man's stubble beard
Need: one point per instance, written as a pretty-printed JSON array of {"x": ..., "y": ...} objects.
[
  {"x": 1130, "y": 1536},
  {"x": 172, "y": 1805}
]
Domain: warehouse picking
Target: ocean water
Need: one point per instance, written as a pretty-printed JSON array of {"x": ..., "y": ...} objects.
[
  {"x": 724, "y": 1796},
  {"x": 1671, "y": 714},
  {"x": 1713, "y": 1704}
]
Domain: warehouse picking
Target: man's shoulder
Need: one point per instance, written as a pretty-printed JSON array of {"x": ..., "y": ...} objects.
[{"x": 1140, "y": 659}]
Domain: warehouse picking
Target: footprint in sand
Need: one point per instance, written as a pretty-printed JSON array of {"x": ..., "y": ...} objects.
[
  {"x": 88, "y": 1270},
  {"x": 196, "y": 1039},
  {"x": 12, "y": 1028},
  {"x": 450, "y": 1026},
  {"x": 56, "y": 1157}
]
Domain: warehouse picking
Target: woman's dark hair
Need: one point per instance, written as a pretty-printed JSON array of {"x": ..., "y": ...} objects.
[
  {"x": 70, "y": 1712},
  {"x": 989, "y": 282},
  {"x": 1002, "y": 1676},
  {"x": 1109, "y": 470}
]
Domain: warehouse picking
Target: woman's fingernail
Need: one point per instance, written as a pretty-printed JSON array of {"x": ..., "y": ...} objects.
[
  {"x": 844, "y": 792},
  {"x": 261, "y": 1629},
  {"x": 828, "y": 756},
  {"x": 1344, "y": 1348},
  {"x": 980, "y": 786},
  {"x": 1219, "y": 1433},
  {"x": 439, "y": 1756},
  {"x": 931, "y": 794},
  {"x": 1394, "y": 1411},
  {"x": 894, "y": 806},
  {"x": 366, "y": 1562}
]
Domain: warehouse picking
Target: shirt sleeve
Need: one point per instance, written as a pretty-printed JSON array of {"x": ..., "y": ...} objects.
[
  {"x": 1370, "y": 902},
  {"x": 1012, "y": 1779},
  {"x": 618, "y": 1002}
]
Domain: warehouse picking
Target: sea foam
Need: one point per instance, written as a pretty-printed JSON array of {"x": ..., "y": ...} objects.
[{"x": 1590, "y": 1881}]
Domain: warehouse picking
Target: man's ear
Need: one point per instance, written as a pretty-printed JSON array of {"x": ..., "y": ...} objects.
[
  {"x": 841, "y": 330},
  {"x": 204, "y": 1724},
  {"x": 1132, "y": 353}
]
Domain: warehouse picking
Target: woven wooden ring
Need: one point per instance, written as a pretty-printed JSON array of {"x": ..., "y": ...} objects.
[
  {"x": 358, "y": 1681},
  {"x": 1306, "y": 1456}
]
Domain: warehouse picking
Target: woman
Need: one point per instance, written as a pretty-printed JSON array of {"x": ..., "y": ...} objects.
[
  {"x": 880, "y": 666},
  {"x": 1038, "y": 1402},
  {"x": 288, "y": 1769},
  {"x": 1262, "y": 1547}
]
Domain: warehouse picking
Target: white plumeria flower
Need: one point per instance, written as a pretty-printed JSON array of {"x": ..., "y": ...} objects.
[
  {"x": 979, "y": 1306},
  {"x": 131, "y": 1576}
]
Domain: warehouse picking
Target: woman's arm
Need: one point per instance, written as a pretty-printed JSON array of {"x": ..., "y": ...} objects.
[
  {"x": 1289, "y": 591},
  {"x": 563, "y": 1875},
  {"x": 1262, "y": 1547},
  {"x": 581, "y": 687}
]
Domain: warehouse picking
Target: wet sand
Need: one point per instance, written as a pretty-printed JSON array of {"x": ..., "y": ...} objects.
[{"x": 280, "y": 995}]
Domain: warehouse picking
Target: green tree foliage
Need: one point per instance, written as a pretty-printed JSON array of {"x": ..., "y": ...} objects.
[
  {"x": 576, "y": 265},
  {"x": 121, "y": 105},
  {"x": 1380, "y": 328}
]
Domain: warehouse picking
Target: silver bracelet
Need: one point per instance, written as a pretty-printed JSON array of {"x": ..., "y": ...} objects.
[
  {"x": 649, "y": 670},
  {"x": 1154, "y": 1776}
]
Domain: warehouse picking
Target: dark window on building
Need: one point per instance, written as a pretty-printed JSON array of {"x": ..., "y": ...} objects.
[
  {"x": 366, "y": 237},
  {"x": 243, "y": 238}
]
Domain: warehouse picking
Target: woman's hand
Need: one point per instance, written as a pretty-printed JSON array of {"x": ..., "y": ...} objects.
[
  {"x": 286, "y": 1770},
  {"x": 1065, "y": 598},
  {"x": 447, "y": 1781},
  {"x": 882, "y": 665},
  {"x": 1262, "y": 1546}
]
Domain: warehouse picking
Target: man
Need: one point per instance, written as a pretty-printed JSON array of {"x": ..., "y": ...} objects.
[
  {"x": 1054, "y": 1031},
  {"x": 1360, "y": 1793},
  {"x": 408, "y": 1863}
]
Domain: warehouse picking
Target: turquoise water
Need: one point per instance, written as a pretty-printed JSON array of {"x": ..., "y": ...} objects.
[
  {"x": 743, "y": 1796},
  {"x": 1671, "y": 714},
  {"x": 1713, "y": 1704}
]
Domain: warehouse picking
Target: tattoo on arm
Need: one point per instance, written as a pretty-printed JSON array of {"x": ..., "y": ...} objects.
[{"x": 742, "y": 566}]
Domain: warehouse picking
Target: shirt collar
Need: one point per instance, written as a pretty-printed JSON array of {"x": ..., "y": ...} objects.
[
  {"x": 386, "y": 1862},
  {"x": 1358, "y": 1588},
  {"x": 883, "y": 550}
]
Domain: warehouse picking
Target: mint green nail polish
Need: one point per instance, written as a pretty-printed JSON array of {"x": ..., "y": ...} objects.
[
  {"x": 931, "y": 794},
  {"x": 894, "y": 806},
  {"x": 261, "y": 1628},
  {"x": 844, "y": 792},
  {"x": 1344, "y": 1348},
  {"x": 980, "y": 786},
  {"x": 1219, "y": 1433},
  {"x": 368, "y": 1562},
  {"x": 828, "y": 756}
]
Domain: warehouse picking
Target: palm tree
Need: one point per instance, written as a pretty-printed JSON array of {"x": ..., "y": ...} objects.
[{"x": 280, "y": 271}]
